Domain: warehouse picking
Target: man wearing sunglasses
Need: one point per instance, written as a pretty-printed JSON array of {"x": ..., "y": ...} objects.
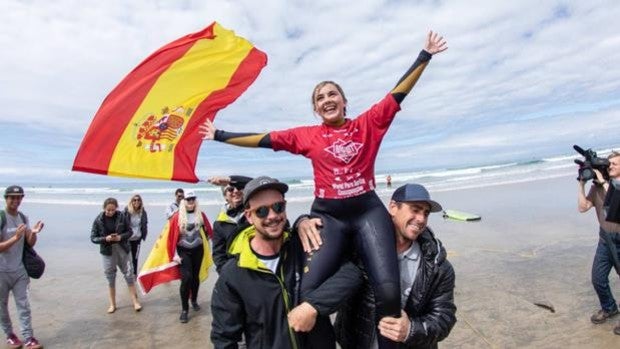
[
  {"x": 259, "y": 287},
  {"x": 230, "y": 218}
]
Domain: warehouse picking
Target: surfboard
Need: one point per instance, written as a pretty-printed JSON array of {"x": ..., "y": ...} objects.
[{"x": 461, "y": 216}]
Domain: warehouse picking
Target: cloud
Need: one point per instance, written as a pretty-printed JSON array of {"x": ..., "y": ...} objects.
[{"x": 512, "y": 68}]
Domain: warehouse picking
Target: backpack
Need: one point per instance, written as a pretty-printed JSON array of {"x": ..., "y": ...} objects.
[
  {"x": 3, "y": 218},
  {"x": 34, "y": 264}
]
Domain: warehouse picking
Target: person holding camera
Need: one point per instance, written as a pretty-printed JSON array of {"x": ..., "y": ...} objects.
[{"x": 607, "y": 252}]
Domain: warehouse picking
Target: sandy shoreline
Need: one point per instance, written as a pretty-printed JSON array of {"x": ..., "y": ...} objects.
[{"x": 532, "y": 246}]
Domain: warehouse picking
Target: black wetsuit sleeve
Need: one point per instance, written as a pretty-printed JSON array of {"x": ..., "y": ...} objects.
[
  {"x": 328, "y": 297},
  {"x": 250, "y": 140},
  {"x": 406, "y": 83}
]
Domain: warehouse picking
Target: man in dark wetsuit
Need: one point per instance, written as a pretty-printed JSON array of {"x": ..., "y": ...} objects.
[
  {"x": 259, "y": 287},
  {"x": 230, "y": 218}
]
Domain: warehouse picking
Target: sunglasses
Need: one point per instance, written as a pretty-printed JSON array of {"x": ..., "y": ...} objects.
[
  {"x": 230, "y": 189},
  {"x": 263, "y": 211},
  {"x": 190, "y": 199},
  {"x": 136, "y": 200}
]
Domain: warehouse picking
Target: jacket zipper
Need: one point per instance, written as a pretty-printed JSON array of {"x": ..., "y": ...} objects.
[{"x": 286, "y": 301}]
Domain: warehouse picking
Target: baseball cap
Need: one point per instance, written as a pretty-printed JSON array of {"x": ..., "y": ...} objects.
[
  {"x": 190, "y": 194},
  {"x": 262, "y": 183},
  {"x": 14, "y": 190},
  {"x": 415, "y": 192},
  {"x": 239, "y": 181}
]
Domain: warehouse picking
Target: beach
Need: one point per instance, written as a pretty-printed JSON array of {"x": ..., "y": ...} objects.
[{"x": 531, "y": 246}]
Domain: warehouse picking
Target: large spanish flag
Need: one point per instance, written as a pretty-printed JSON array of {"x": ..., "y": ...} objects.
[{"x": 147, "y": 126}]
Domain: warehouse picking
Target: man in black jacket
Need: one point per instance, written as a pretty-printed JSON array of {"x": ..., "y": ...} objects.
[
  {"x": 257, "y": 289},
  {"x": 230, "y": 219},
  {"x": 426, "y": 282}
]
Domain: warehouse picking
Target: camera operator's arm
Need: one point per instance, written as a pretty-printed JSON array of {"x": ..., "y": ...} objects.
[
  {"x": 601, "y": 180},
  {"x": 583, "y": 204}
]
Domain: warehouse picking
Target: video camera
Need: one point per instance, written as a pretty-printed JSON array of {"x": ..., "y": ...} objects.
[{"x": 590, "y": 163}]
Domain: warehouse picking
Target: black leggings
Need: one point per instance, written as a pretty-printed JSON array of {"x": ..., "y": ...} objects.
[
  {"x": 191, "y": 259},
  {"x": 365, "y": 221},
  {"x": 135, "y": 250}
]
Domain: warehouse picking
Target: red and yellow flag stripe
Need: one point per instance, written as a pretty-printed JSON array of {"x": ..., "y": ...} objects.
[{"x": 147, "y": 126}]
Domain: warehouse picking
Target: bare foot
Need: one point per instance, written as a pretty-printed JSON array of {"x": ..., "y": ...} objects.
[
  {"x": 111, "y": 309},
  {"x": 137, "y": 306}
]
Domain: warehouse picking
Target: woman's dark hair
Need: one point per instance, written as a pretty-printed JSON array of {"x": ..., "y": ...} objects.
[{"x": 110, "y": 201}]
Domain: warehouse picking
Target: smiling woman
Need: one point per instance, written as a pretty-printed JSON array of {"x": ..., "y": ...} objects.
[{"x": 343, "y": 153}]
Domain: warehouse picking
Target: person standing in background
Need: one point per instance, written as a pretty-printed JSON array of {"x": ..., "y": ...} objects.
[
  {"x": 179, "y": 194},
  {"x": 110, "y": 232},
  {"x": 137, "y": 220},
  {"x": 230, "y": 218},
  {"x": 190, "y": 231},
  {"x": 14, "y": 233}
]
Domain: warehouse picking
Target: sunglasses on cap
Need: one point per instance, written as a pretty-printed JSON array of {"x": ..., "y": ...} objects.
[{"x": 263, "y": 211}]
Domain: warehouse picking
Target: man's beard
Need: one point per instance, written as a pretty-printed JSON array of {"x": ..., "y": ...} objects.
[{"x": 269, "y": 237}]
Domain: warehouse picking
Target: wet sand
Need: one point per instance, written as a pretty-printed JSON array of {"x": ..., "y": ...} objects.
[{"x": 532, "y": 246}]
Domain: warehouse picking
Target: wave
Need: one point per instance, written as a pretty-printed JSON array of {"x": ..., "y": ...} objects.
[
  {"x": 87, "y": 202},
  {"x": 301, "y": 189}
]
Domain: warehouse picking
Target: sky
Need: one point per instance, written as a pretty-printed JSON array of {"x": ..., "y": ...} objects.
[{"x": 521, "y": 80}]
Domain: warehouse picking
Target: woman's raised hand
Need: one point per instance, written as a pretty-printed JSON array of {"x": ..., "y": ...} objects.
[
  {"x": 435, "y": 43},
  {"x": 207, "y": 130}
]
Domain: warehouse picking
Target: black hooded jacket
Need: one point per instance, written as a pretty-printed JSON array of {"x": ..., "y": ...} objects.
[
  {"x": 250, "y": 299},
  {"x": 225, "y": 228},
  {"x": 430, "y": 305}
]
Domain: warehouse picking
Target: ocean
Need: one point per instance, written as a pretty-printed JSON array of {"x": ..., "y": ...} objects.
[{"x": 160, "y": 193}]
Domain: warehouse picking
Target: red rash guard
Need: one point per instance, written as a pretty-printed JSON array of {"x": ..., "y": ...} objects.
[{"x": 343, "y": 157}]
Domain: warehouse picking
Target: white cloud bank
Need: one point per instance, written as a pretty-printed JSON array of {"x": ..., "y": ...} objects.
[{"x": 520, "y": 78}]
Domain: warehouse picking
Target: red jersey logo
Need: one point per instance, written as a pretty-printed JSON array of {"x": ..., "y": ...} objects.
[{"x": 344, "y": 151}]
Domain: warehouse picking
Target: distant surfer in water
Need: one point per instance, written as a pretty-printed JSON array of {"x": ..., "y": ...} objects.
[{"x": 343, "y": 153}]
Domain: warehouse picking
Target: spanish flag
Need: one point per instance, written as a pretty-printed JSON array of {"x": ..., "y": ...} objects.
[
  {"x": 147, "y": 126},
  {"x": 160, "y": 268}
]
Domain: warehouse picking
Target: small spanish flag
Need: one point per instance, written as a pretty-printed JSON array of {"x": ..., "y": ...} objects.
[
  {"x": 147, "y": 126},
  {"x": 160, "y": 266}
]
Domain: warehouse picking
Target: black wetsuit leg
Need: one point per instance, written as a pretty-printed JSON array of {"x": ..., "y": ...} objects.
[
  {"x": 365, "y": 221},
  {"x": 190, "y": 270},
  {"x": 376, "y": 246},
  {"x": 323, "y": 263},
  {"x": 197, "y": 255}
]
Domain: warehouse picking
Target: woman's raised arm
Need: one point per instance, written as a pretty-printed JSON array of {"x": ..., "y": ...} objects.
[
  {"x": 434, "y": 44},
  {"x": 250, "y": 140}
]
